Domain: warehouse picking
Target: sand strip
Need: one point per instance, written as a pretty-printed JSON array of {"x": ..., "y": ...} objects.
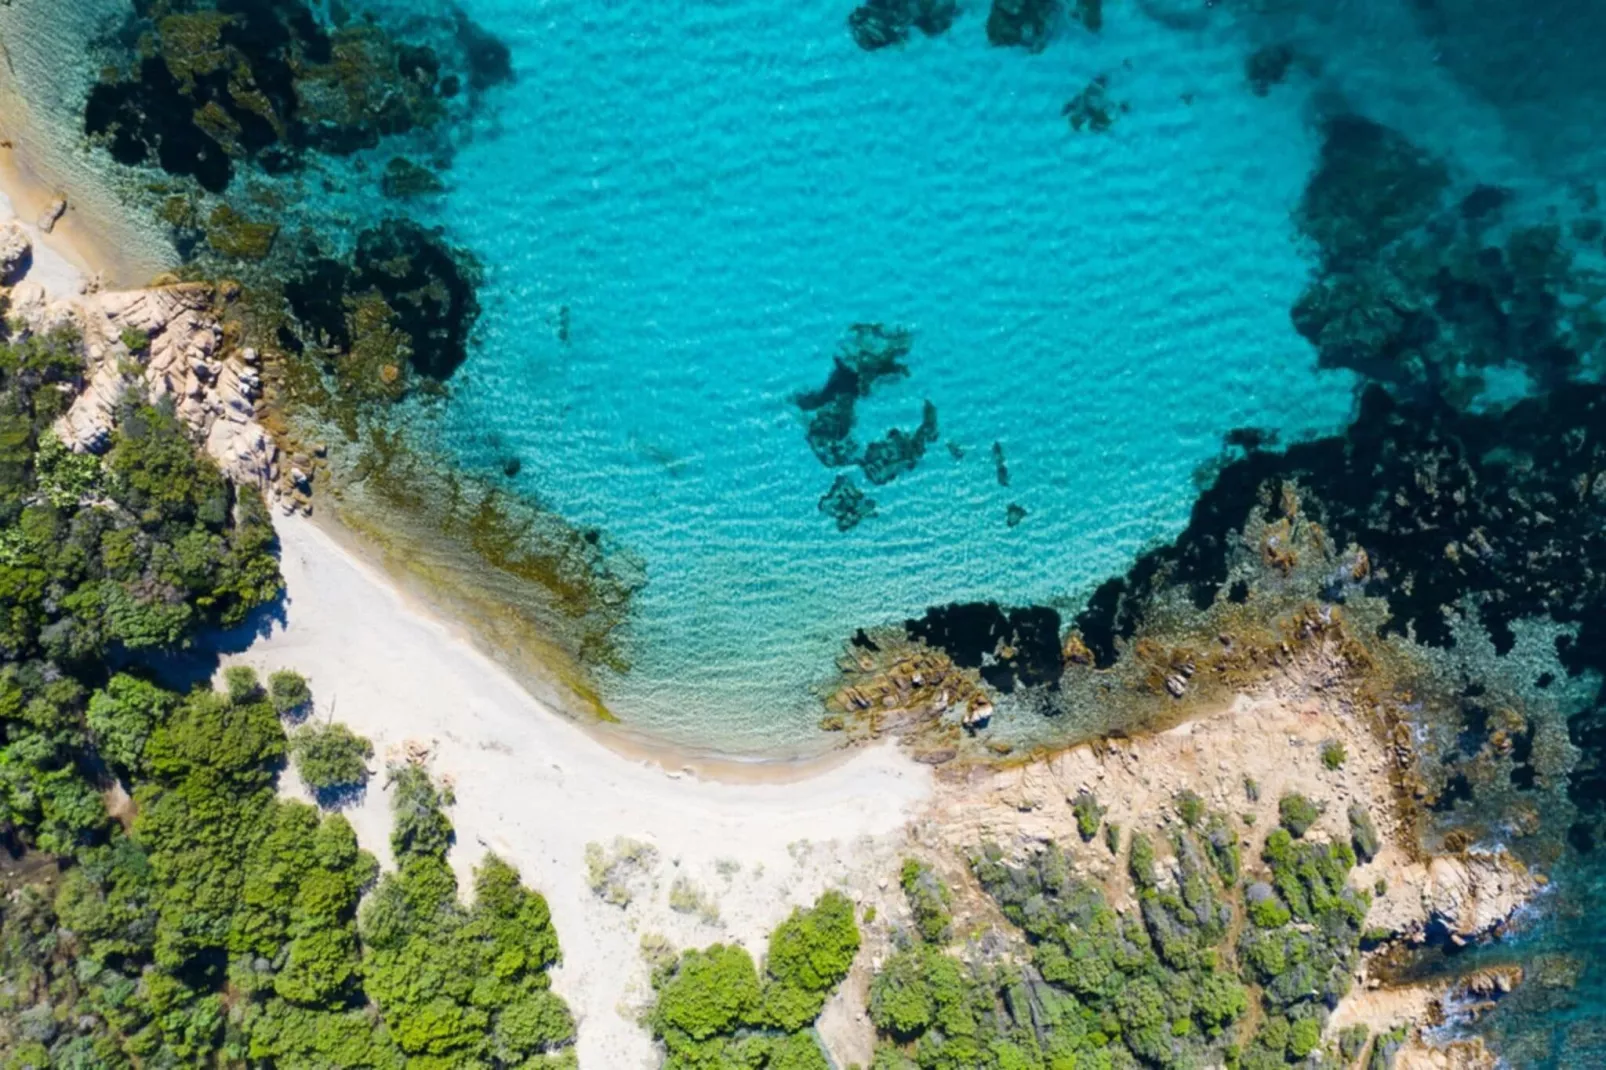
[{"x": 537, "y": 788}]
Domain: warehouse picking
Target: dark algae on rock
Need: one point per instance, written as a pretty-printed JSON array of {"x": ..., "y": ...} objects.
[
  {"x": 876, "y": 24},
  {"x": 200, "y": 89},
  {"x": 871, "y": 354}
]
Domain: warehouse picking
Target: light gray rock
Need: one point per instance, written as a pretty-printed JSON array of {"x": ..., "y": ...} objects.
[{"x": 15, "y": 252}]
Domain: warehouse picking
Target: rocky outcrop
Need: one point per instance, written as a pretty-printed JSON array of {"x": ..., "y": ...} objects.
[
  {"x": 1475, "y": 893},
  {"x": 15, "y": 250},
  {"x": 168, "y": 340}
]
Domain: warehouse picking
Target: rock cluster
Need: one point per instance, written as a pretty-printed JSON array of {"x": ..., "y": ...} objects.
[{"x": 167, "y": 339}]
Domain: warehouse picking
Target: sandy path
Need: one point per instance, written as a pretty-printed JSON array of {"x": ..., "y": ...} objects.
[{"x": 536, "y": 788}]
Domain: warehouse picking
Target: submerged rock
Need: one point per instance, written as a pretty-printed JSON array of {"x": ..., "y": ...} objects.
[
  {"x": 1022, "y": 23},
  {"x": 899, "y": 451},
  {"x": 1017, "y": 647},
  {"x": 1092, "y": 109},
  {"x": 877, "y": 24},
  {"x": 265, "y": 81},
  {"x": 847, "y": 504},
  {"x": 1267, "y": 67},
  {"x": 405, "y": 292}
]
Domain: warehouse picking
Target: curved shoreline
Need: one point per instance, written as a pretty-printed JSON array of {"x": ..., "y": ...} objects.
[{"x": 676, "y": 760}]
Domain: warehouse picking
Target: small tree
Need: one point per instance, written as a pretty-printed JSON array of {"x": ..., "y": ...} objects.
[
  {"x": 332, "y": 761},
  {"x": 290, "y": 694},
  {"x": 242, "y": 684},
  {"x": 1298, "y": 813}
]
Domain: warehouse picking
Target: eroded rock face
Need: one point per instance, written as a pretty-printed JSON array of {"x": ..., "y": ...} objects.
[{"x": 167, "y": 339}]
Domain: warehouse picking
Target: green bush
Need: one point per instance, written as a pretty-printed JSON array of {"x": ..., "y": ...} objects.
[
  {"x": 1363, "y": 834},
  {"x": 331, "y": 759},
  {"x": 289, "y": 693},
  {"x": 1334, "y": 754},
  {"x": 1190, "y": 807},
  {"x": 708, "y": 993},
  {"x": 1297, "y": 813},
  {"x": 929, "y": 901},
  {"x": 1088, "y": 815}
]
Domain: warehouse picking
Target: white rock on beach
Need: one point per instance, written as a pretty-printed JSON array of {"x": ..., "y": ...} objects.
[
  {"x": 15, "y": 250},
  {"x": 214, "y": 393}
]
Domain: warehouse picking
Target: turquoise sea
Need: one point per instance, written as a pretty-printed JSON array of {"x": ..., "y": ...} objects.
[
  {"x": 683, "y": 211},
  {"x": 682, "y": 215}
]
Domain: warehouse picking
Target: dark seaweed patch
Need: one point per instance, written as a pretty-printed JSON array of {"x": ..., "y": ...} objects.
[
  {"x": 212, "y": 85},
  {"x": 428, "y": 286},
  {"x": 846, "y": 504},
  {"x": 876, "y": 24},
  {"x": 1009, "y": 648},
  {"x": 1022, "y": 23}
]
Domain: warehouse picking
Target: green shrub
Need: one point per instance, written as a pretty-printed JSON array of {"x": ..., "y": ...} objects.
[
  {"x": 1334, "y": 754},
  {"x": 331, "y": 759},
  {"x": 1297, "y": 813},
  {"x": 1088, "y": 815},
  {"x": 1140, "y": 861},
  {"x": 1363, "y": 834},
  {"x": 1190, "y": 807},
  {"x": 242, "y": 684},
  {"x": 289, "y": 693},
  {"x": 929, "y": 900},
  {"x": 708, "y": 993}
]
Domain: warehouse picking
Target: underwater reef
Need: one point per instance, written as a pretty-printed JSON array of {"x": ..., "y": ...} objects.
[
  {"x": 870, "y": 354},
  {"x": 199, "y": 89},
  {"x": 427, "y": 289}
]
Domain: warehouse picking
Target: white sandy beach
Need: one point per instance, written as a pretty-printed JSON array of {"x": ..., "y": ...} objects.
[{"x": 535, "y": 788}]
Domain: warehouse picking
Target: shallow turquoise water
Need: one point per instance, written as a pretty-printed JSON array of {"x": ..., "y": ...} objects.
[{"x": 717, "y": 192}]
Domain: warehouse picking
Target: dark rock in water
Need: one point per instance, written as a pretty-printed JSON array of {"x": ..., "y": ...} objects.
[
  {"x": 211, "y": 85},
  {"x": 1371, "y": 187},
  {"x": 1484, "y": 201},
  {"x": 1250, "y": 439},
  {"x": 1000, "y": 468},
  {"x": 1021, "y": 23},
  {"x": 871, "y": 352},
  {"x": 490, "y": 63},
  {"x": 1018, "y": 647},
  {"x": 887, "y": 458},
  {"x": 1014, "y": 515},
  {"x": 1092, "y": 109},
  {"x": 1267, "y": 67},
  {"x": 846, "y": 504},
  {"x": 428, "y": 286},
  {"x": 512, "y": 467},
  {"x": 404, "y": 179},
  {"x": 1090, "y": 13},
  {"x": 955, "y": 450},
  {"x": 876, "y": 24}
]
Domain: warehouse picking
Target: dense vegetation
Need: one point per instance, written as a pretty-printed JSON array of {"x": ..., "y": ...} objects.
[
  {"x": 1166, "y": 984},
  {"x": 713, "y": 1010},
  {"x": 163, "y": 907}
]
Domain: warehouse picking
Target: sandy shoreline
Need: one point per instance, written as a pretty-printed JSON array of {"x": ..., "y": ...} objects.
[
  {"x": 41, "y": 159},
  {"x": 536, "y": 788}
]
